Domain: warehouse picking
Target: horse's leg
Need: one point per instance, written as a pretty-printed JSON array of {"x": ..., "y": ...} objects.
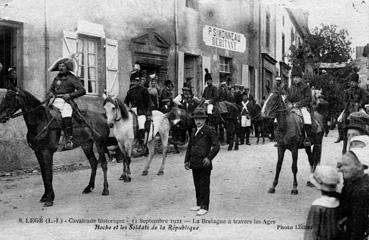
[
  {"x": 235, "y": 135},
  {"x": 317, "y": 151},
  {"x": 311, "y": 163},
  {"x": 281, "y": 151},
  {"x": 45, "y": 158},
  {"x": 151, "y": 147},
  {"x": 124, "y": 153},
  {"x": 128, "y": 147},
  {"x": 344, "y": 148},
  {"x": 164, "y": 139},
  {"x": 104, "y": 165},
  {"x": 257, "y": 132},
  {"x": 88, "y": 150},
  {"x": 43, "y": 174},
  {"x": 230, "y": 130},
  {"x": 295, "y": 152},
  {"x": 263, "y": 130}
]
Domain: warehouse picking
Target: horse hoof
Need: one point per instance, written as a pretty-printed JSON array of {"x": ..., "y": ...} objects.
[
  {"x": 145, "y": 172},
  {"x": 309, "y": 184},
  {"x": 122, "y": 177},
  {"x": 43, "y": 199},
  {"x": 105, "y": 192},
  {"x": 87, "y": 190},
  {"x": 129, "y": 179},
  {"x": 160, "y": 173},
  {"x": 271, "y": 190},
  {"x": 236, "y": 148},
  {"x": 294, "y": 192},
  {"x": 229, "y": 149},
  {"x": 48, "y": 203}
]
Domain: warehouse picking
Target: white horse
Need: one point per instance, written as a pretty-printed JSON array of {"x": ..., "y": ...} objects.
[{"x": 122, "y": 122}]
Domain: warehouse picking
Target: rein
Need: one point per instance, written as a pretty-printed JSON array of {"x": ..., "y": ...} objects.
[{"x": 33, "y": 109}]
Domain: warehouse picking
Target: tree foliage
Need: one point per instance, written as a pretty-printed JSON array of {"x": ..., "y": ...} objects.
[{"x": 326, "y": 44}]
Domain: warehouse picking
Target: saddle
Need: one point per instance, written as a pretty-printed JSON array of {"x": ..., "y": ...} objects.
[
  {"x": 315, "y": 125},
  {"x": 57, "y": 118}
]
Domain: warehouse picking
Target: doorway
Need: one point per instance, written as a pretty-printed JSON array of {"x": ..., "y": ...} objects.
[
  {"x": 192, "y": 74},
  {"x": 8, "y": 52}
]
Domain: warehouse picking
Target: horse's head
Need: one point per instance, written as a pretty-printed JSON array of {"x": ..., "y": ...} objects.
[
  {"x": 176, "y": 115},
  {"x": 9, "y": 105},
  {"x": 272, "y": 105},
  {"x": 114, "y": 110}
]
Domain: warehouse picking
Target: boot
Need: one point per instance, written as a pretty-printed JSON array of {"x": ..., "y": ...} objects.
[
  {"x": 141, "y": 137},
  {"x": 68, "y": 131},
  {"x": 340, "y": 136},
  {"x": 307, "y": 142}
]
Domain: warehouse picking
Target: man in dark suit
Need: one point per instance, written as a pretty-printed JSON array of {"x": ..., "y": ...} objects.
[{"x": 202, "y": 149}]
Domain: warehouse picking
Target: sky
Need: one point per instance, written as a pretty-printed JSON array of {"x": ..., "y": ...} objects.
[{"x": 352, "y": 15}]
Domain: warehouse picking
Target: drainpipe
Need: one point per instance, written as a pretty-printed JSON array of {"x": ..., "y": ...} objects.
[
  {"x": 260, "y": 59},
  {"x": 176, "y": 40},
  {"x": 46, "y": 37}
]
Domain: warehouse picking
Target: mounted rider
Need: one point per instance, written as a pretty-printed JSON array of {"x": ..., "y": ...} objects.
[
  {"x": 139, "y": 100},
  {"x": 355, "y": 99},
  {"x": 66, "y": 87},
  {"x": 210, "y": 95},
  {"x": 299, "y": 96},
  {"x": 167, "y": 93}
]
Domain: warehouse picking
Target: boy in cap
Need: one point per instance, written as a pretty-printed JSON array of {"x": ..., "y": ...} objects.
[
  {"x": 65, "y": 87},
  {"x": 323, "y": 214},
  {"x": 202, "y": 149}
]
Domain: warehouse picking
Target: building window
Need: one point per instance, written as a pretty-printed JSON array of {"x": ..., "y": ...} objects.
[
  {"x": 192, "y": 4},
  {"x": 283, "y": 46},
  {"x": 267, "y": 31},
  {"x": 225, "y": 69},
  {"x": 87, "y": 52},
  {"x": 292, "y": 36}
]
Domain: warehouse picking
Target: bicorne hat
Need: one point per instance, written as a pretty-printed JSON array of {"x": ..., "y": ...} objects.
[{"x": 70, "y": 63}]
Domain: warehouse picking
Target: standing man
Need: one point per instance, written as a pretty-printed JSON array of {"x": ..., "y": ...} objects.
[
  {"x": 245, "y": 120},
  {"x": 65, "y": 87},
  {"x": 210, "y": 95},
  {"x": 12, "y": 77},
  {"x": 167, "y": 93},
  {"x": 138, "y": 98},
  {"x": 299, "y": 96},
  {"x": 207, "y": 75},
  {"x": 354, "y": 206},
  {"x": 202, "y": 149}
]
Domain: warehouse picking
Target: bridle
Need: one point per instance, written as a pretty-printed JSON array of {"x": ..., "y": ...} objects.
[{"x": 116, "y": 111}]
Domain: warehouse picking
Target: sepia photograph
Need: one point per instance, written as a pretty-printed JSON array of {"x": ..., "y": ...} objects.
[{"x": 184, "y": 119}]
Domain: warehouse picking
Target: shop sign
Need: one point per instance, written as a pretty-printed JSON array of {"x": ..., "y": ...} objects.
[{"x": 221, "y": 38}]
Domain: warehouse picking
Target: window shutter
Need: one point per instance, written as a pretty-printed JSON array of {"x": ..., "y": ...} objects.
[
  {"x": 112, "y": 81},
  {"x": 69, "y": 43},
  {"x": 70, "y": 47}
]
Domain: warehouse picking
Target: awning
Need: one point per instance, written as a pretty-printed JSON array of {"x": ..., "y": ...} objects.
[{"x": 90, "y": 29}]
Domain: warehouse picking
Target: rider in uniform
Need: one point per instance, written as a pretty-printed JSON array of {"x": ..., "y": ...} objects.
[
  {"x": 299, "y": 95},
  {"x": 139, "y": 99},
  {"x": 354, "y": 98},
  {"x": 66, "y": 87},
  {"x": 210, "y": 95}
]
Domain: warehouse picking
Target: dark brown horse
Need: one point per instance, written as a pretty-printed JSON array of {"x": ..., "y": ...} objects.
[
  {"x": 289, "y": 135},
  {"x": 43, "y": 137},
  {"x": 229, "y": 120}
]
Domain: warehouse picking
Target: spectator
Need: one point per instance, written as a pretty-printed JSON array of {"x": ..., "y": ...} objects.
[
  {"x": 323, "y": 214},
  {"x": 354, "y": 208}
]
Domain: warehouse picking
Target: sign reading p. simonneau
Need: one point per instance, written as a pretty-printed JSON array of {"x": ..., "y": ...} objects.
[{"x": 221, "y": 38}]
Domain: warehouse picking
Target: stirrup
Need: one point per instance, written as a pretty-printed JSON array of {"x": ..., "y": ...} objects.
[
  {"x": 307, "y": 142},
  {"x": 68, "y": 144}
]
